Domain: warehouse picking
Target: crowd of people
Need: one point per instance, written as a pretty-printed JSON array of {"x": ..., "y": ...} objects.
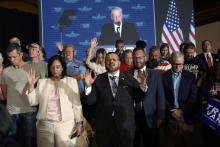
[{"x": 125, "y": 98}]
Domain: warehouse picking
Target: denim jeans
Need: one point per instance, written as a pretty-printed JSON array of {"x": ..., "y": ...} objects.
[{"x": 23, "y": 128}]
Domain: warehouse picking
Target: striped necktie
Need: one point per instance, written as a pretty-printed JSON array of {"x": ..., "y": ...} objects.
[{"x": 114, "y": 85}]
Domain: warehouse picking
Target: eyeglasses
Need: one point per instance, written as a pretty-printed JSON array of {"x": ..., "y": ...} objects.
[{"x": 67, "y": 52}]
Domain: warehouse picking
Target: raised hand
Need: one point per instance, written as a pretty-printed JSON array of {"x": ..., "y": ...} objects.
[
  {"x": 88, "y": 78},
  {"x": 59, "y": 45},
  {"x": 141, "y": 77},
  {"x": 32, "y": 79},
  {"x": 94, "y": 43}
]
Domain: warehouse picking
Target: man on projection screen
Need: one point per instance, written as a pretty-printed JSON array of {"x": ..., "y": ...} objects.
[{"x": 118, "y": 29}]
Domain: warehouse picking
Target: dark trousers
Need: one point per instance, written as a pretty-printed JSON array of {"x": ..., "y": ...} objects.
[
  {"x": 23, "y": 128},
  {"x": 3, "y": 103},
  {"x": 179, "y": 134},
  {"x": 144, "y": 136},
  {"x": 212, "y": 138},
  {"x": 114, "y": 137}
]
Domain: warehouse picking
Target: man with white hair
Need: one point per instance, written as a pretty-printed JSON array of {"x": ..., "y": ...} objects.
[
  {"x": 118, "y": 29},
  {"x": 181, "y": 96}
]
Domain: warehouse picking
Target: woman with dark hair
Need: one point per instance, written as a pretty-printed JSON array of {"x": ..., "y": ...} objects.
[
  {"x": 62, "y": 64},
  {"x": 59, "y": 118},
  {"x": 164, "y": 51}
]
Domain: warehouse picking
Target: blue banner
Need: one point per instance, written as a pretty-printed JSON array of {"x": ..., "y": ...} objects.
[
  {"x": 77, "y": 21},
  {"x": 211, "y": 114}
]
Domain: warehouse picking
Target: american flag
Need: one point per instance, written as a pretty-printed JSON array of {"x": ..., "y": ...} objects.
[
  {"x": 171, "y": 33},
  {"x": 192, "y": 37}
]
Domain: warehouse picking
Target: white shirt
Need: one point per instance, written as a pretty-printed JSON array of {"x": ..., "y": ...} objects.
[
  {"x": 176, "y": 78},
  {"x": 210, "y": 56},
  {"x": 120, "y": 28}
]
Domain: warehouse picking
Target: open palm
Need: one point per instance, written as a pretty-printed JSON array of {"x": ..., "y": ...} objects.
[
  {"x": 88, "y": 78},
  {"x": 32, "y": 79},
  {"x": 94, "y": 43},
  {"x": 141, "y": 77}
]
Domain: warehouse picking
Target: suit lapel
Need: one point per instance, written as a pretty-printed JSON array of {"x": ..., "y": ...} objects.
[
  {"x": 122, "y": 29},
  {"x": 121, "y": 77},
  {"x": 120, "y": 82},
  {"x": 204, "y": 59},
  {"x": 107, "y": 84},
  {"x": 215, "y": 59},
  {"x": 183, "y": 86},
  {"x": 113, "y": 31},
  {"x": 148, "y": 76},
  {"x": 182, "y": 80},
  {"x": 170, "y": 82}
]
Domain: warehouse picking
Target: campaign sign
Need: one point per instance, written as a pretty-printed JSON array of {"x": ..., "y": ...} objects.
[{"x": 211, "y": 114}]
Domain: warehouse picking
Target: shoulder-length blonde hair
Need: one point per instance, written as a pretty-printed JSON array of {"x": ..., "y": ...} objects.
[{"x": 36, "y": 45}]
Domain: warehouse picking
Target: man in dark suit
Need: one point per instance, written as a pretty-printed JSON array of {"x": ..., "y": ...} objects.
[
  {"x": 118, "y": 29},
  {"x": 181, "y": 96},
  {"x": 207, "y": 59},
  {"x": 114, "y": 94},
  {"x": 207, "y": 62},
  {"x": 150, "y": 111}
]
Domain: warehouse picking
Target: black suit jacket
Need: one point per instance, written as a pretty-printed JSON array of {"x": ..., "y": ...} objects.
[
  {"x": 203, "y": 63},
  {"x": 187, "y": 95},
  {"x": 108, "y": 35},
  {"x": 123, "y": 122}
]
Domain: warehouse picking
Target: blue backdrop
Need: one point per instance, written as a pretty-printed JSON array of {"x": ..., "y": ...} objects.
[{"x": 77, "y": 21}]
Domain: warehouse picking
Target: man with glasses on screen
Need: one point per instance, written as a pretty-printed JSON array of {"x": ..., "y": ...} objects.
[{"x": 118, "y": 29}]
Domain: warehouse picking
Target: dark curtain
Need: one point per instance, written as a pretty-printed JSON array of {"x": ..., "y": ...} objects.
[{"x": 23, "y": 25}]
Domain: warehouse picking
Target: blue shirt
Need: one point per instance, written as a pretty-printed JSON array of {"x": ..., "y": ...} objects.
[
  {"x": 176, "y": 77},
  {"x": 76, "y": 67},
  {"x": 121, "y": 55}
]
